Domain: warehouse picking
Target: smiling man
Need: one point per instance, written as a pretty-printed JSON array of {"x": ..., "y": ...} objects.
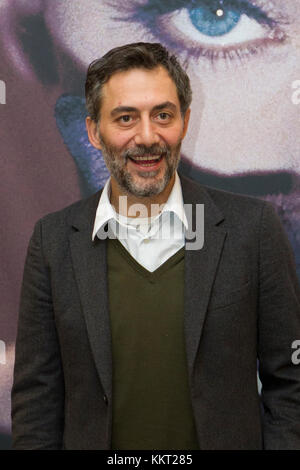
[
  {"x": 137, "y": 341},
  {"x": 140, "y": 132}
]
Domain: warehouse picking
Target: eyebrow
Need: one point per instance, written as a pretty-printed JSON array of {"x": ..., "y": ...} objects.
[{"x": 131, "y": 109}]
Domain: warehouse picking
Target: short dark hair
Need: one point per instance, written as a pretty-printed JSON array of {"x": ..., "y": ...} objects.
[{"x": 137, "y": 55}]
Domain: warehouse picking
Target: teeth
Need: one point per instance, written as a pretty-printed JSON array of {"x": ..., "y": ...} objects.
[{"x": 154, "y": 157}]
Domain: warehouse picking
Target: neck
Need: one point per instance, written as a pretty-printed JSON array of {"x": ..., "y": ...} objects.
[{"x": 149, "y": 206}]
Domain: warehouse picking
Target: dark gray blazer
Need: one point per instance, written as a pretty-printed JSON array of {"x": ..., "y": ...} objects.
[{"x": 242, "y": 305}]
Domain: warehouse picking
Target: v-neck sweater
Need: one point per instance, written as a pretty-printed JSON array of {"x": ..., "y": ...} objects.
[{"x": 151, "y": 398}]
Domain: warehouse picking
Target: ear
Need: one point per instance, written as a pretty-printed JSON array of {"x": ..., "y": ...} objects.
[
  {"x": 186, "y": 122},
  {"x": 92, "y": 131}
]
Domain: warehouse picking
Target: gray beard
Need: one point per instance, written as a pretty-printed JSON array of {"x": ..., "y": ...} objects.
[{"x": 116, "y": 165}]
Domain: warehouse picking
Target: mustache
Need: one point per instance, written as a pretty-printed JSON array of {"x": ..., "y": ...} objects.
[{"x": 144, "y": 150}]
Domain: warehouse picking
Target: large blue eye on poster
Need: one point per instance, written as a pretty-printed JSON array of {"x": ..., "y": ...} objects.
[{"x": 243, "y": 59}]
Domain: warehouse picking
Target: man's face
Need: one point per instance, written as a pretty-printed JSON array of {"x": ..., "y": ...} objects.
[{"x": 140, "y": 130}]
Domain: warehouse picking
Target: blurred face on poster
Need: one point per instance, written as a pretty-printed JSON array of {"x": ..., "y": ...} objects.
[{"x": 242, "y": 57}]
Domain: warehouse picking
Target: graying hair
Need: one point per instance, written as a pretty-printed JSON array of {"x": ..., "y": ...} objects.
[{"x": 130, "y": 56}]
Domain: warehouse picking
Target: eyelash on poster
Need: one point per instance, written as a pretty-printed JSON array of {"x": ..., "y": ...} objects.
[{"x": 152, "y": 13}]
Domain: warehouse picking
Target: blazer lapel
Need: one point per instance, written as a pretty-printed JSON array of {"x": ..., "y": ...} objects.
[
  {"x": 200, "y": 266},
  {"x": 90, "y": 267}
]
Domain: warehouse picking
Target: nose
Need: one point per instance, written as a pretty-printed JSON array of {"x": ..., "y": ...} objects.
[{"x": 146, "y": 133}]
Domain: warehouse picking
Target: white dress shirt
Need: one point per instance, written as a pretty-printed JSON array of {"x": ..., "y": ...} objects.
[{"x": 151, "y": 241}]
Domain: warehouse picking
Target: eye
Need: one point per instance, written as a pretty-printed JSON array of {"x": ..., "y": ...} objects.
[
  {"x": 125, "y": 119},
  {"x": 210, "y": 29},
  {"x": 163, "y": 116},
  {"x": 218, "y": 27}
]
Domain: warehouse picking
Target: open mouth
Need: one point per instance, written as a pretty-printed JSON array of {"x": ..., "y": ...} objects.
[{"x": 147, "y": 161}]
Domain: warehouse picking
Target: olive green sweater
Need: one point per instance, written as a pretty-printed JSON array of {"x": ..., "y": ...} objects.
[{"x": 151, "y": 400}]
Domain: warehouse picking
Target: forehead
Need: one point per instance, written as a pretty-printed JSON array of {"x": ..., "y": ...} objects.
[{"x": 139, "y": 88}]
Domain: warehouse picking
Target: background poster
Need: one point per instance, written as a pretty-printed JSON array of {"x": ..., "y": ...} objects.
[{"x": 243, "y": 58}]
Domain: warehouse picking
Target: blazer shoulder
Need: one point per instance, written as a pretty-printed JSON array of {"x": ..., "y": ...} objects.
[
  {"x": 244, "y": 209},
  {"x": 65, "y": 216},
  {"x": 229, "y": 203},
  {"x": 232, "y": 200}
]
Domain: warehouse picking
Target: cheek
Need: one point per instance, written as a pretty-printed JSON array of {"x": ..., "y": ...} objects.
[
  {"x": 121, "y": 139},
  {"x": 172, "y": 136},
  {"x": 114, "y": 137},
  {"x": 247, "y": 121}
]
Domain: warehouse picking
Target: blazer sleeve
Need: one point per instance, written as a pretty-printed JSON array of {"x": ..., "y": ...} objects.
[
  {"x": 278, "y": 328},
  {"x": 38, "y": 388}
]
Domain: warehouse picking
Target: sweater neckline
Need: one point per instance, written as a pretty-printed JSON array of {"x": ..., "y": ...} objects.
[{"x": 157, "y": 273}]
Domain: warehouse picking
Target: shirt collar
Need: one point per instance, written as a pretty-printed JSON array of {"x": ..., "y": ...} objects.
[
  {"x": 106, "y": 212},
  {"x": 175, "y": 202}
]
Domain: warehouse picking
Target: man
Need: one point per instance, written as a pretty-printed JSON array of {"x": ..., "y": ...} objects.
[{"x": 130, "y": 340}]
